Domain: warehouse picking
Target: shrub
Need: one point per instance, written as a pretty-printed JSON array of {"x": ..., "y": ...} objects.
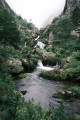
[
  {"x": 75, "y": 90},
  {"x": 54, "y": 75},
  {"x": 75, "y": 72},
  {"x": 35, "y": 61},
  {"x": 76, "y": 55},
  {"x": 52, "y": 60},
  {"x": 76, "y": 15},
  {"x": 59, "y": 114},
  {"x": 9, "y": 33},
  {"x": 63, "y": 27}
]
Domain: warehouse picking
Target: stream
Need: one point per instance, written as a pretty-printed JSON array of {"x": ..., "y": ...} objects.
[{"x": 41, "y": 89}]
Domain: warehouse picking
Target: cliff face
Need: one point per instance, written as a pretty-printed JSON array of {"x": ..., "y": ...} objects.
[
  {"x": 70, "y": 5},
  {"x": 5, "y": 5}
]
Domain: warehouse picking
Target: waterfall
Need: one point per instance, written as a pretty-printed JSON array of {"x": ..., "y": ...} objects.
[
  {"x": 40, "y": 66},
  {"x": 40, "y": 45},
  {"x": 25, "y": 45},
  {"x": 37, "y": 38}
]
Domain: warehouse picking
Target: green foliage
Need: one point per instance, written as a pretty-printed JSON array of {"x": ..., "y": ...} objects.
[
  {"x": 29, "y": 55},
  {"x": 35, "y": 61},
  {"x": 63, "y": 27},
  {"x": 54, "y": 75},
  {"x": 6, "y": 87},
  {"x": 52, "y": 60},
  {"x": 9, "y": 33},
  {"x": 73, "y": 117},
  {"x": 75, "y": 72},
  {"x": 76, "y": 15},
  {"x": 76, "y": 55},
  {"x": 75, "y": 90},
  {"x": 31, "y": 112},
  {"x": 22, "y": 75},
  {"x": 59, "y": 114},
  {"x": 24, "y": 23}
]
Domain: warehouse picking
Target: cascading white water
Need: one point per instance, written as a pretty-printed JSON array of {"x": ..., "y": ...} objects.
[
  {"x": 40, "y": 45},
  {"x": 37, "y": 37},
  {"x": 40, "y": 66}
]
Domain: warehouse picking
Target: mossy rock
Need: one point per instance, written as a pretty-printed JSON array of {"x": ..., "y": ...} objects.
[
  {"x": 18, "y": 94},
  {"x": 28, "y": 65},
  {"x": 17, "y": 70},
  {"x": 39, "y": 51},
  {"x": 75, "y": 90},
  {"x": 56, "y": 74},
  {"x": 23, "y": 92},
  {"x": 65, "y": 95},
  {"x": 57, "y": 95},
  {"x": 22, "y": 75}
]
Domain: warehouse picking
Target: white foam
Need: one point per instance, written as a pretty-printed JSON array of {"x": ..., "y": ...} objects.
[
  {"x": 40, "y": 66},
  {"x": 40, "y": 45}
]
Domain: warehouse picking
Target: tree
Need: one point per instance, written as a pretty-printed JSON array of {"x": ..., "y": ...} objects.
[
  {"x": 76, "y": 15},
  {"x": 9, "y": 33}
]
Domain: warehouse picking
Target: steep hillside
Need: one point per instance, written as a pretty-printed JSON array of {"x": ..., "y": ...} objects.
[
  {"x": 71, "y": 5},
  {"x": 63, "y": 39},
  {"x": 5, "y": 5},
  {"x": 28, "y": 30}
]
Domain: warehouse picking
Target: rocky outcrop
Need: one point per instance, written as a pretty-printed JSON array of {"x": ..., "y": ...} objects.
[
  {"x": 17, "y": 70},
  {"x": 28, "y": 64},
  {"x": 51, "y": 37},
  {"x": 76, "y": 32},
  {"x": 70, "y": 5},
  {"x": 14, "y": 62},
  {"x": 5, "y": 5}
]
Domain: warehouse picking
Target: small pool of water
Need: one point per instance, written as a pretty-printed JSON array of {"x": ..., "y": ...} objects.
[{"x": 41, "y": 89}]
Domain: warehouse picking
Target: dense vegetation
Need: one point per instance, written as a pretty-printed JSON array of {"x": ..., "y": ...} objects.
[{"x": 66, "y": 46}]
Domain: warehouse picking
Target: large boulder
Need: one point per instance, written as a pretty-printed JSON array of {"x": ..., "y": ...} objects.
[
  {"x": 22, "y": 75},
  {"x": 17, "y": 70},
  {"x": 51, "y": 37},
  {"x": 14, "y": 62},
  {"x": 47, "y": 55},
  {"x": 55, "y": 74},
  {"x": 40, "y": 45},
  {"x": 28, "y": 64}
]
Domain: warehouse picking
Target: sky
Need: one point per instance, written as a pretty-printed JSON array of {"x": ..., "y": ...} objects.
[{"x": 41, "y": 12}]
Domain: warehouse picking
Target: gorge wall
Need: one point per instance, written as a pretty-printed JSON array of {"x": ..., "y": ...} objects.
[
  {"x": 5, "y": 5},
  {"x": 70, "y": 5}
]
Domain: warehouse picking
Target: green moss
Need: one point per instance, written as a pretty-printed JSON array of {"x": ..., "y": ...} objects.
[
  {"x": 22, "y": 75},
  {"x": 24, "y": 92},
  {"x": 54, "y": 75},
  {"x": 28, "y": 65},
  {"x": 75, "y": 90},
  {"x": 57, "y": 95},
  {"x": 51, "y": 60},
  {"x": 17, "y": 70}
]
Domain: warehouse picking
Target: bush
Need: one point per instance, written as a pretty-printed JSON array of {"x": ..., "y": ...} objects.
[
  {"x": 52, "y": 60},
  {"x": 31, "y": 112},
  {"x": 76, "y": 55},
  {"x": 6, "y": 87},
  {"x": 75, "y": 72},
  {"x": 35, "y": 61},
  {"x": 63, "y": 27},
  {"x": 54, "y": 75},
  {"x": 76, "y": 15},
  {"x": 9, "y": 33},
  {"x": 75, "y": 90},
  {"x": 59, "y": 114}
]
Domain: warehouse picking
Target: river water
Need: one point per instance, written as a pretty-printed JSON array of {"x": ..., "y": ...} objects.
[{"x": 41, "y": 89}]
